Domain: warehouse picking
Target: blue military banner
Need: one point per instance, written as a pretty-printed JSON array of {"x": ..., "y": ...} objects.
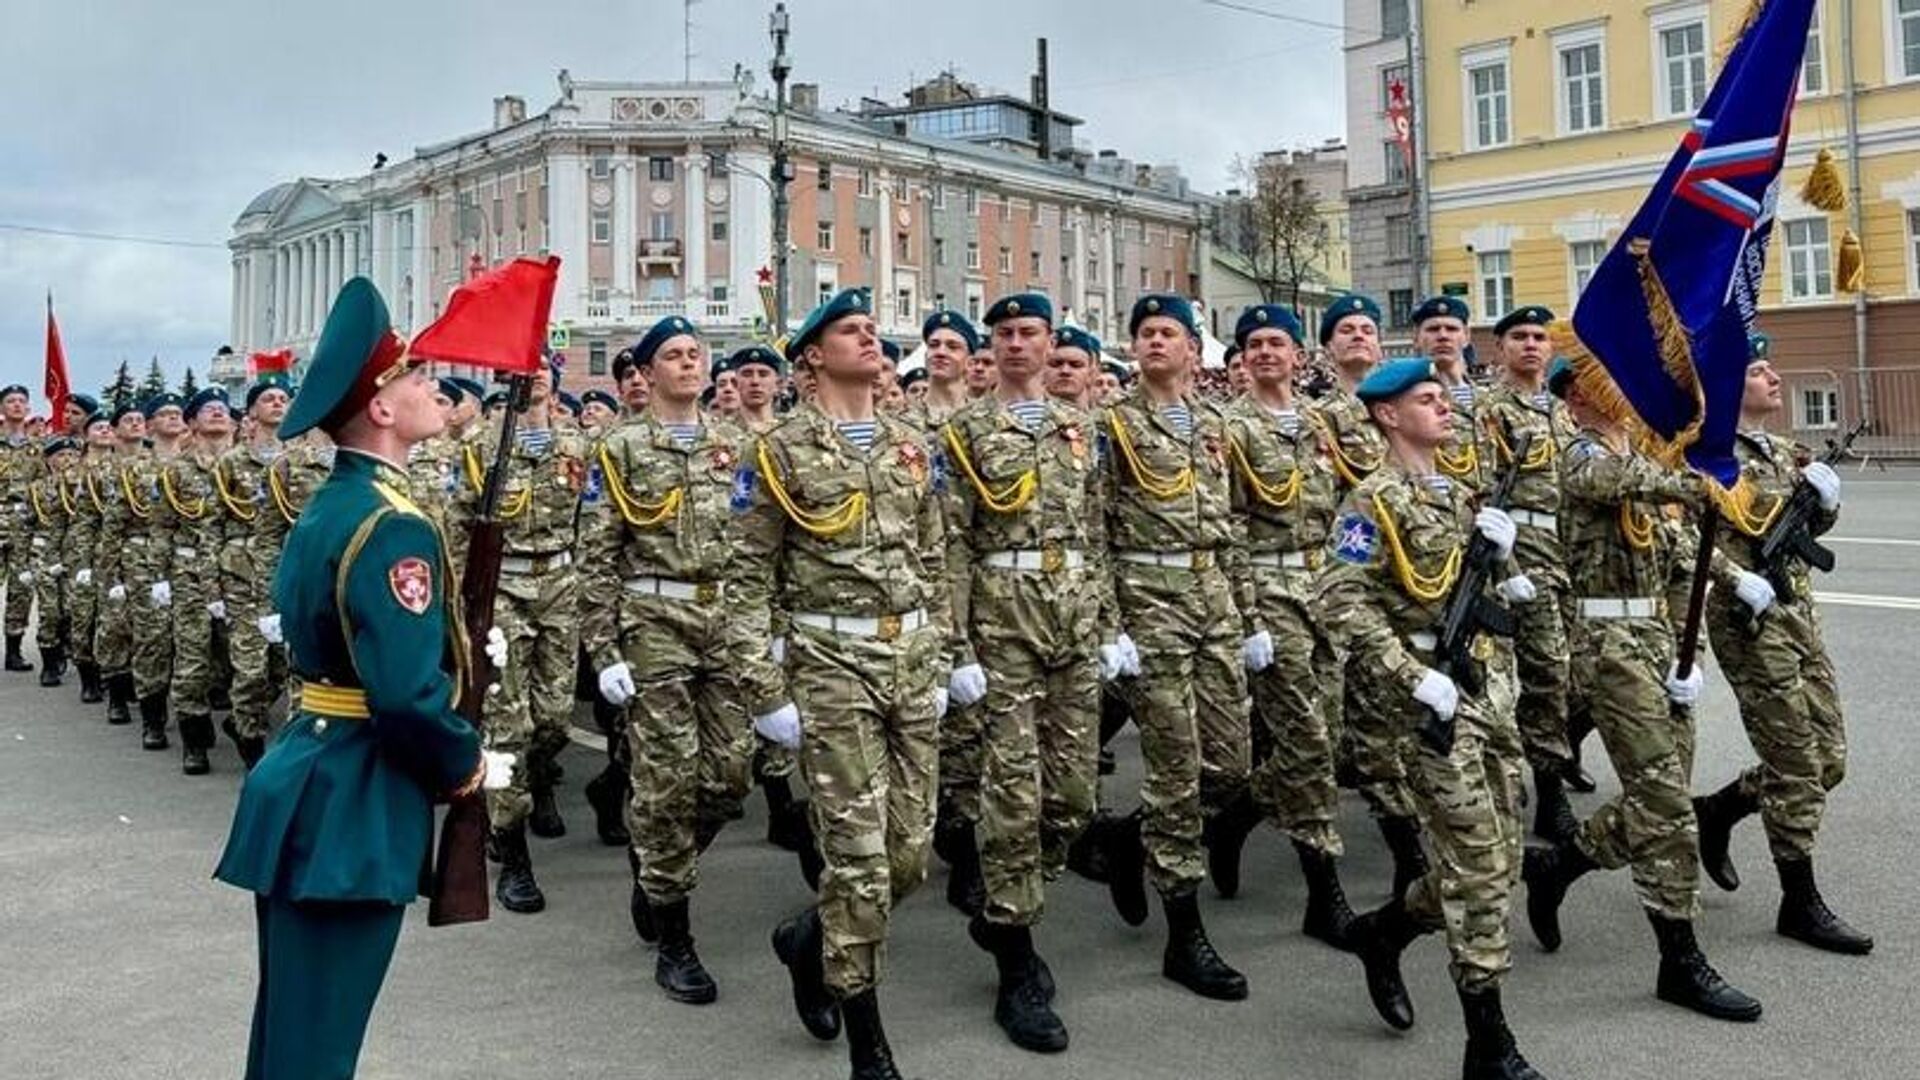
[{"x": 1668, "y": 311}]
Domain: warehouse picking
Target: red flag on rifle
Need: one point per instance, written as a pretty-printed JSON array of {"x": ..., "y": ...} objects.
[
  {"x": 57, "y": 386},
  {"x": 498, "y": 320}
]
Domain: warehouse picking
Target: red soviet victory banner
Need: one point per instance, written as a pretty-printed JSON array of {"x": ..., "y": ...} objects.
[
  {"x": 57, "y": 386},
  {"x": 498, "y": 320}
]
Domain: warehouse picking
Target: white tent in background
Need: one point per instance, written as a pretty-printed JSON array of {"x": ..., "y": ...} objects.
[
  {"x": 1213, "y": 352},
  {"x": 915, "y": 359}
]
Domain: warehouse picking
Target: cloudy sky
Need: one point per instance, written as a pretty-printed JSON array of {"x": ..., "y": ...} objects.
[{"x": 159, "y": 120}]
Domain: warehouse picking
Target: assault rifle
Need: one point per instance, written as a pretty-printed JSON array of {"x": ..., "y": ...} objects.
[
  {"x": 1470, "y": 612},
  {"x": 1790, "y": 539}
]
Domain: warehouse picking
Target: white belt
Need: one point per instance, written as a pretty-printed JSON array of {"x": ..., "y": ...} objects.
[
  {"x": 185, "y": 553},
  {"x": 534, "y": 564},
  {"x": 1534, "y": 518},
  {"x": 885, "y": 627},
  {"x": 1283, "y": 560},
  {"x": 1185, "y": 560},
  {"x": 1424, "y": 640},
  {"x": 1052, "y": 560},
  {"x": 137, "y": 541},
  {"x": 645, "y": 585},
  {"x": 39, "y": 542},
  {"x": 1640, "y": 607}
]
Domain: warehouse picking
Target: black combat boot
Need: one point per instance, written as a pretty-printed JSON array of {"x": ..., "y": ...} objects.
[
  {"x": 516, "y": 888},
  {"x": 16, "y": 661},
  {"x": 1491, "y": 1053},
  {"x": 1127, "y": 869},
  {"x": 1328, "y": 916},
  {"x": 780, "y": 826},
  {"x": 1402, "y": 835},
  {"x": 797, "y": 942},
  {"x": 966, "y": 888},
  {"x": 607, "y": 794},
  {"x": 153, "y": 722},
  {"x": 120, "y": 698},
  {"x": 1224, "y": 835},
  {"x": 1023, "y": 1007},
  {"x": 1717, "y": 814},
  {"x": 677, "y": 968},
  {"x": 1553, "y": 819},
  {"x": 1549, "y": 873},
  {"x": 53, "y": 665},
  {"x": 1190, "y": 959},
  {"x": 90, "y": 687},
  {"x": 812, "y": 863},
  {"x": 1687, "y": 980},
  {"x": 866, "y": 1039},
  {"x": 1804, "y": 915},
  {"x": 1087, "y": 854},
  {"x": 251, "y": 748},
  {"x": 638, "y": 908},
  {"x": 1379, "y": 937},
  {"x": 544, "y": 820},
  {"x": 196, "y": 738},
  {"x": 1579, "y": 726}
]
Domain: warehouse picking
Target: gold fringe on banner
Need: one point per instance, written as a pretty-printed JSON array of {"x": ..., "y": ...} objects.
[
  {"x": 1740, "y": 29},
  {"x": 1825, "y": 188},
  {"x": 1850, "y": 269}
]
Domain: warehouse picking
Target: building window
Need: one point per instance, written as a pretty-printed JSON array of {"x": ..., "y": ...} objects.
[
  {"x": 1817, "y": 408},
  {"x": 597, "y": 358},
  {"x": 660, "y": 290},
  {"x": 1146, "y": 279},
  {"x": 866, "y": 183},
  {"x": 1682, "y": 71},
  {"x": 1496, "y": 284},
  {"x": 1906, "y": 14},
  {"x": 1913, "y": 249},
  {"x": 1389, "y": 75},
  {"x": 939, "y": 196},
  {"x": 661, "y": 225},
  {"x": 866, "y": 242},
  {"x": 1033, "y": 265},
  {"x": 602, "y": 166},
  {"x": 973, "y": 254},
  {"x": 823, "y": 177},
  {"x": 1583, "y": 258},
  {"x": 973, "y": 202},
  {"x": 1399, "y": 236},
  {"x": 939, "y": 251},
  {"x": 900, "y": 188},
  {"x": 660, "y": 169},
  {"x": 1583, "y": 87},
  {"x": 1393, "y": 18},
  {"x": 1006, "y": 260},
  {"x": 823, "y": 236},
  {"x": 903, "y": 305},
  {"x": 718, "y": 291},
  {"x": 902, "y": 247},
  {"x": 519, "y": 209},
  {"x": 1396, "y": 160},
  {"x": 602, "y": 221},
  {"x": 974, "y": 300},
  {"x": 717, "y": 228},
  {"x": 1809, "y": 260},
  {"x": 1813, "y": 67},
  {"x": 1399, "y": 307},
  {"x": 824, "y": 290},
  {"x": 1168, "y": 283},
  {"x": 1488, "y": 104}
]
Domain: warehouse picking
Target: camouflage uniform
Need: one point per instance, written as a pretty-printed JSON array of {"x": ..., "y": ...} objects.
[
  {"x": 850, "y": 544},
  {"x": 188, "y": 489},
  {"x": 1029, "y": 604},
  {"x": 1283, "y": 500},
  {"x": 255, "y": 528},
  {"x": 1393, "y": 530},
  {"x": 433, "y": 474},
  {"x": 660, "y": 563},
  {"x": 1169, "y": 531},
  {"x": 151, "y": 562},
  {"x": 1619, "y": 572},
  {"x": 963, "y": 730},
  {"x": 537, "y": 608},
  {"x": 82, "y": 546},
  {"x": 118, "y": 558},
  {"x": 19, "y": 464},
  {"x": 52, "y": 514}
]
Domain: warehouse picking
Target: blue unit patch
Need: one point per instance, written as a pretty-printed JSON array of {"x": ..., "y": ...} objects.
[
  {"x": 940, "y": 471},
  {"x": 744, "y": 480},
  {"x": 1355, "y": 539},
  {"x": 594, "y": 488}
]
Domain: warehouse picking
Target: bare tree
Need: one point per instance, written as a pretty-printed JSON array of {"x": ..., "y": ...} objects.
[{"x": 1275, "y": 226}]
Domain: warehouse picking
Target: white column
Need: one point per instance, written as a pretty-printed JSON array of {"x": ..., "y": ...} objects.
[
  {"x": 353, "y": 251},
  {"x": 1113, "y": 317},
  {"x": 302, "y": 290},
  {"x": 883, "y": 252},
  {"x": 567, "y": 230},
  {"x": 694, "y": 229},
  {"x": 310, "y": 282},
  {"x": 1077, "y": 268},
  {"x": 749, "y": 227},
  {"x": 422, "y": 288},
  {"x": 277, "y": 329},
  {"x": 235, "y": 291},
  {"x": 625, "y": 230}
]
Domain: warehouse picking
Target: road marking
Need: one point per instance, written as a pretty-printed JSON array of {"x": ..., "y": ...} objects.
[
  {"x": 1846, "y": 599},
  {"x": 593, "y": 740},
  {"x": 1887, "y": 541}
]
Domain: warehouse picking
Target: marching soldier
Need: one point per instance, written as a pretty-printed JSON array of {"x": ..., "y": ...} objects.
[
  {"x": 52, "y": 506},
  {"x": 608, "y": 792},
  {"x": 599, "y": 413},
  {"x": 841, "y": 531},
  {"x": 152, "y": 563},
  {"x": 1071, "y": 365},
  {"x": 1618, "y": 575},
  {"x": 118, "y": 558},
  {"x": 1776, "y": 660},
  {"x": 83, "y": 552},
  {"x": 1393, "y": 558},
  {"x": 433, "y": 466},
  {"x": 188, "y": 489},
  {"x": 19, "y": 462},
  {"x": 631, "y": 381},
  {"x": 247, "y": 565}
]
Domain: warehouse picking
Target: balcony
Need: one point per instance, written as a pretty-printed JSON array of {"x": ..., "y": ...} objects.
[{"x": 658, "y": 254}]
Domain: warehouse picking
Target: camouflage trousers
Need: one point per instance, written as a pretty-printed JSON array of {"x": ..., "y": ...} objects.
[
  {"x": 50, "y": 580},
  {"x": 1540, "y": 646},
  {"x": 1468, "y": 803},
  {"x": 1791, "y": 709},
  {"x": 193, "y": 633},
  {"x": 83, "y": 615},
  {"x": 870, "y": 750},
  {"x": 1294, "y": 783},
  {"x": 259, "y": 668},
  {"x": 1036, "y": 636},
  {"x": 16, "y": 557},
  {"x": 529, "y": 717},
  {"x": 113, "y": 622},
  {"x": 1193, "y": 710},
  {"x": 152, "y": 628},
  {"x": 1363, "y": 719},
  {"x": 1649, "y": 825},
  {"x": 689, "y": 732}
]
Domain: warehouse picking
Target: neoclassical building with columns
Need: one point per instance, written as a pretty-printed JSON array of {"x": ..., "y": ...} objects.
[{"x": 656, "y": 197}]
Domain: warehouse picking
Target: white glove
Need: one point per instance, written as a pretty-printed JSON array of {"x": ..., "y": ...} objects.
[
  {"x": 1257, "y": 651},
  {"x": 218, "y": 609},
  {"x": 117, "y": 593},
  {"x": 1683, "y": 691},
  {"x": 967, "y": 684},
  {"x": 782, "y": 726},
  {"x": 1517, "y": 589},
  {"x": 1822, "y": 479},
  {"x": 777, "y": 649},
  {"x": 939, "y": 703},
  {"x": 1494, "y": 524},
  {"x": 162, "y": 593},
  {"x": 1754, "y": 591},
  {"x": 1129, "y": 655},
  {"x": 56, "y": 570},
  {"x": 499, "y": 770},
  {"x": 26, "y": 577},
  {"x": 496, "y": 647},
  {"x": 270, "y": 628},
  {"x": 1112, "y": 660},
  {"x": 83, "y": 577},
  {"x": 1438, "y": 693},
  {"x": 616, "y": 683}
]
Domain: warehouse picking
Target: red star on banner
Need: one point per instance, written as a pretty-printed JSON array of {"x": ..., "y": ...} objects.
[{"x": 765, "y": 275}]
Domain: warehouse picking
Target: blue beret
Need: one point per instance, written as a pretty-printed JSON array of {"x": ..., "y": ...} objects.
[
  {"x": 1232, "y": 354},
  {"x": 890, "y": 350},
  {"x": 843, "y": 303},
  {"x": 272, "y": 380},
  {"x": 1759, "y": 346},
  {"x": 59, "y": 443},
  {"x": 451, "y": 389},
  {"x": 498, "y": 397},
  {"x": 121, "y": 412},
  {"x": 1530, "y": 315},
  {"x": 954, "y": 321},
  {"x": 1177, "y": 308},
  {"x": 758, "y": 354},
  {"x": 204, "y": 398},
  {"x": 1559, "y": 377},
  {"x": 14, "y": 388},
  {"x": 1026, "y": 305},
  {"x": 1072, "y": 337},
  {"x": 918, "y": 374},
  {"x": 357, "y": 329},
  {"x": 471, "y": 387},
  {"x": 602, "y": 397},
  {"x": 1266, "y": 317},
  {"x": 1393, "y": 378},
  {"x": 86, "y": 403},
  {"x": 166, "y": 399},
  {"x": 1350, "y": 304},
  {"x": 666, "y": 329},
  {"x": 569, "y": 403},
  {"x": 1442, "y": 307}
]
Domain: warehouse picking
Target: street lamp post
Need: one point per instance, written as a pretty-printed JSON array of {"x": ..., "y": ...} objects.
[{"x": 777, "y": 27}]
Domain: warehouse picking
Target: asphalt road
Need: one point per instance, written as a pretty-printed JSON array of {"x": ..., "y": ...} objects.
[{"x": 122, "y": 958}]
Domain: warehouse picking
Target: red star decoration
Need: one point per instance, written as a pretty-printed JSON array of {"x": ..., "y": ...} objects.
[{"x": 765, "y": 275}]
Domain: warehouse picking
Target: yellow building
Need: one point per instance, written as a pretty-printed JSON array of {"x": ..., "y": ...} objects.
[{"x": 1547, "y": 122}]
